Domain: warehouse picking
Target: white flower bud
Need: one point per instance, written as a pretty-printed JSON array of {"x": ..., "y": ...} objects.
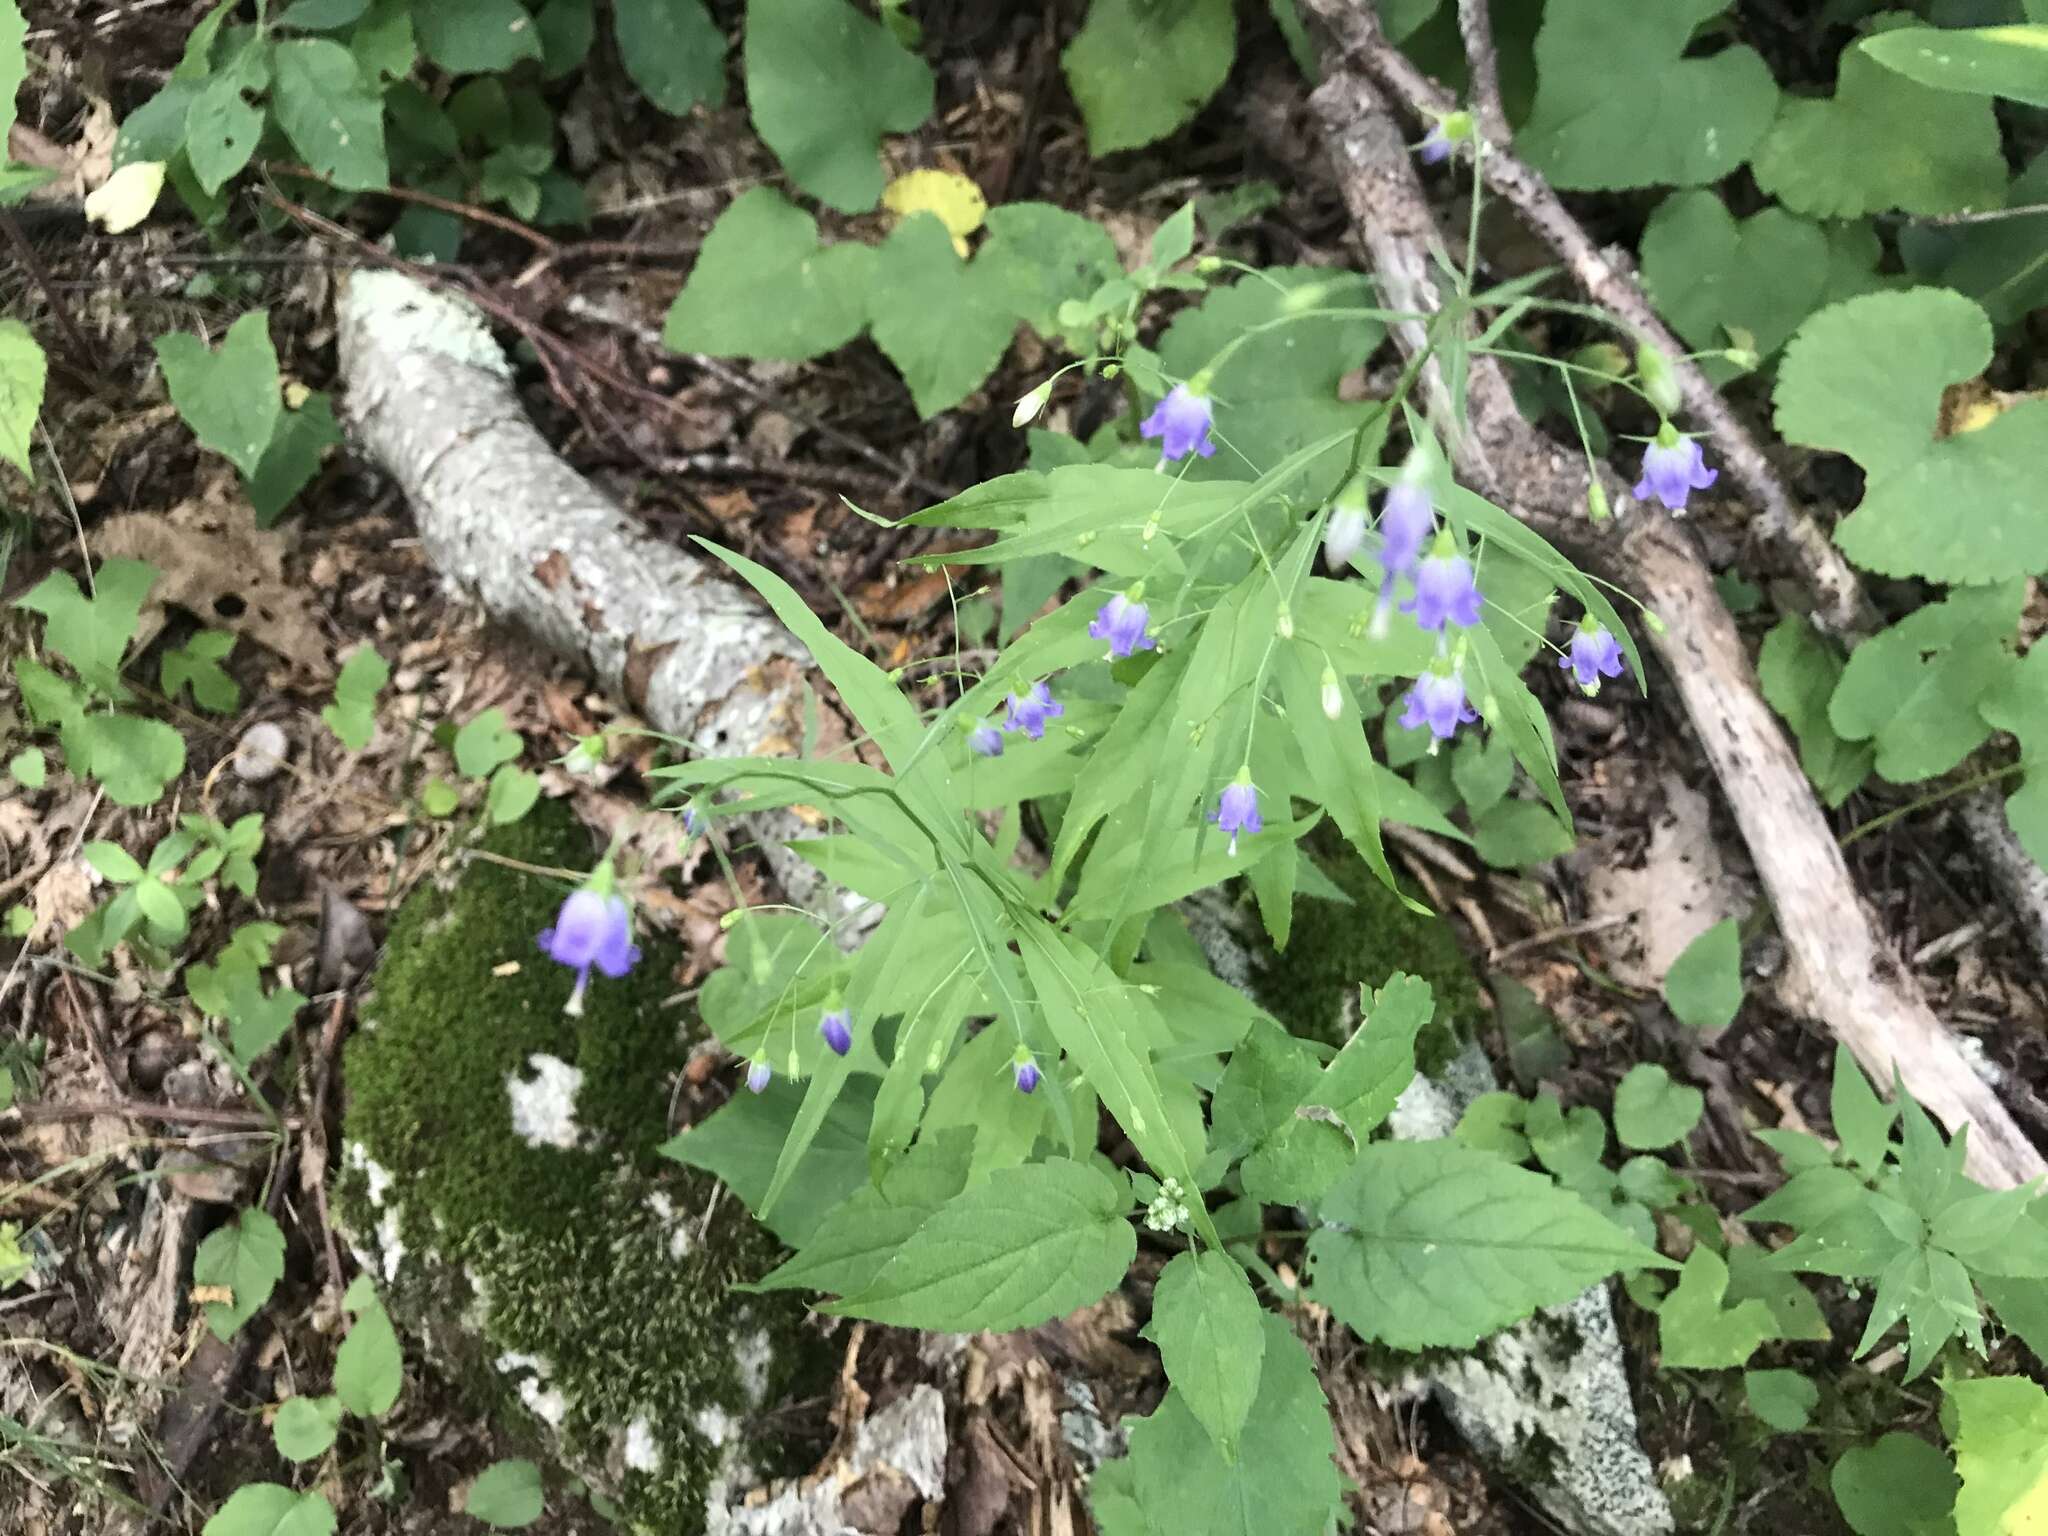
[
  {"x": 1343, "y": 537},
  {"x": 1030, "y": 405},
  {"x": 1333, "y": 695}
]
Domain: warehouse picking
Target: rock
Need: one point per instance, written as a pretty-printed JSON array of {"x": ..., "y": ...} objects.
[
  {"x": 578, "y": 1283},
  {"x": 898, "y": 1459}
]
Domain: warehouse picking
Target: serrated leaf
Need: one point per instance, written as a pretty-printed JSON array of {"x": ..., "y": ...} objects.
[
  {"x": 353, "y": 714},
  {"x": 942, "y": 321},
  {"x": 1297, "y": 1164},
  {"x": 1703, "y": 988},
  {"x": 1030, "y": 1244},
  {"x": 305, "y": 1427},
  {"x": 2020, "y": 705},
  {"x": 1914, "y": 689},
  {"x": 1440, "y": 1244},
  {"x": 1685, "y": 121},
  {"x": 824, "y": 84},
  {"x": 1785, "y": 1400},
  {"x": 741, "y": 1143},
  {"x": 23, "y": 371},
  {"x": 1710, "y": 275},
  {"x": 1901, "y": 1486},
  {"x": 673, "y": 50},
  {"x": 333, "y": 115},
  {"x": 1046, "y": 256},
  {"x": 858, "y": 1237},
  {"x": 764, "y": 287},
  {"x": 1375, "y": 1066},
  {"x": 506, "y": 1494},
  {"x": 1518, "y": 833},
  {"x": 1863, "y": 1122},
  {"x": 228, "y": 397},
  {"x": 1798, "y": 669},
  {"x": 476, "y": 36},
  {"x": 1881, "y": 141},
  {"x": 1139, "y": 70},
  {"x": 133, "y": 759},
  {"x": 265, "y": 1509},
  {"x": 1652, "y": 1111},
  {"x": 2001, "y": 1445},
  {"x": 1696, "y": 1332},
  {"x": 247, "y": 1257},
  {"x": 221, "y": 131},
  {"x": 1208, "y": 1327}
]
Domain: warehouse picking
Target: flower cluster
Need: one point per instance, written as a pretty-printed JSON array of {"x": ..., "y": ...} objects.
[
  {"x": 1027, "y": 714},
  {"x": 1169, "y": 1208}
]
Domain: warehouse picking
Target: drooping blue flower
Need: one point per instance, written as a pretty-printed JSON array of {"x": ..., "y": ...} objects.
[
  {"x": 1672, "y": 467},
  {"x": 1435, "y": 147},
  {"x": 1445, "y": 591},
  {"x": 1027, "y": 1076},
  {"x": 837, "y": 1029},
  {"x": 1594, "y": 654},
  {"x": 1237, "y": 808},
  {"x": 593, "y": 928},
  {"x": 1438, "y": 701},
  {"x": 758, "y": 1075},
  {"x": 693, "y": 821},
  {"x": 1406, "y": 521},
  {"x": 1030, "y": 713},
  {"x": 1121, "y": 621},
  {"x": 985, "y": 740},
  {"x": 1181, "y": 423}
]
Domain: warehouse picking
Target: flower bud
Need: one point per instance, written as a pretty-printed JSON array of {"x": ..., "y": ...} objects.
[
  {"x": 1343, "y": 537},
  {"x": 1306, "y": 297},
  {"x": 1030, "y": 405},
  {"x": 1208, "y": 266},
  {"x": 728, "y": 920},
  {"x": 1284, "y": 623},
  {"x": 1596, "y": 501},
  {"x": 1333, "y": 694},
  {"x": 1659, "y": 384},
  {"x": 1602, "y": 357}
]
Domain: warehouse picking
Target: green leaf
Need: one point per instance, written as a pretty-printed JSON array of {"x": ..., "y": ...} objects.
[
  {"x": 1881, "y": 141},
  {"x": 322, "y": 15},
  {"x": 2001, "y": 1445},
  {"x": 28, "y": 768},
  {"x": 942, "y": 321},
  {"x": 305, "y": 1427},
  {"x": 1284, "y": 1479},
  {"x": 112, "y": 862},
  {"x": 1482, "y": 769},
  {"x": 1376, "y": 1065},
  {"x": 1711, "y": 276},
  {"x": 824, "y": 83},
  {"x": 1979, "y": 61},
  {"x": 133, "y": 758},
  {"x": 228, "y": 397},
  {"x": 512, "y": 794},
  {"x": 333, "y": 115},
  {"x": 1997, "y": 261},
  {"x": 673, "y": 50},
  {"x": 247, "y": 1257},
  {"x": 741, "y": 1142},
  {"x": 353, "y": 714},
  {"x": 476, "y": 36},
  {"x": 1914, "y": 689},
  {"x": 22, "y": 374},
  {"x": 506, "y": 1494},
  {"x": 763, "y": 286},
  {"x": 485, "y": 742},
  {"x": 1901, "y": 1486},
  {"x": 1619, "y": 105},
  {"x": 1139, "y": 70},
  {"x": 569, "y": 27},
  {"x": 1270, "y": 1074},
  {"x": 197, "y": 665},
  {"x": 294, "y": 456},
  {"x": 1045, "y": 257},
  {"x": 859, "y": 1236},
  {"x": 2021, "y": 706},
  {"x": 1518, "y": 833},
  {"x": 1703, "y": 988},
  {"x": 13, "y": 61},
  {"x": 1297, "y": 1164},
  {"x": 1208, "y": 1327},
  {"x": 221, "y": 130},
  {"x": 1695, "y": 1332},
  {"x": 369, "y": 1369},
  {"x": 1030, "y": 1244},
  {"x": 1652, "y": 1111},
  {"x": 1493, "y": 1123},
  {"x": 1339, "y": 759},
  {"x": 92, "y": 633},
  {"x": 265, "y": 1509},
  {"x": 1441, "y": 1244},
  {"x": 1863, "y": 1122},
  {"x": 1798, "y": 669},
  {"x": 1785, "y": 1400}
]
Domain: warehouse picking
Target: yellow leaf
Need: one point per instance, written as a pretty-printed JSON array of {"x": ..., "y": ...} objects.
[
  {"x": 954, "y": 198},
  {"x": 124, "y": 199}
]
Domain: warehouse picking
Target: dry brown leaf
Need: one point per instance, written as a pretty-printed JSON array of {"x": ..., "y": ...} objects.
[
  {"x": 61, "y": 900},
  {"x": 79, "y": 166}
]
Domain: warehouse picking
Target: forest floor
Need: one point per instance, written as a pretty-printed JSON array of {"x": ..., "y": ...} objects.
[{"x": 116, "y": 1095}]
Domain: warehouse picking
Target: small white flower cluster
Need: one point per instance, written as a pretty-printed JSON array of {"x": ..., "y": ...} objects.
[{"x": 1168, "y": 1208}]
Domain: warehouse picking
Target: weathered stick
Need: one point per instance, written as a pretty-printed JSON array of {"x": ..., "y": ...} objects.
[{"x": 1844, "y": 977}]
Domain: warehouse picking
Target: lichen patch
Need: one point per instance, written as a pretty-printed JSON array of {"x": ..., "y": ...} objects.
[{"x": 544, "y": 1106}]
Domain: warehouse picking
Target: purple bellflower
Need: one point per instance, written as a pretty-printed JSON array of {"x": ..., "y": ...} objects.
[
  {"x": 1594, "y": 654},
  {"x": 1435, "y": 148},
  {"x": 592, "y": 929},
  {"x": 985, "y": 740},
  {"x": 1672, "y": 467},
  {"x": 1030, "y": 713},
  {"x": 837, "y": 1029},
  {"x": 1444, "y": 589},
  {"x": 1181, "y": 423},
  {"x": 758, "y": 1076},
  {"x": 1121, "y": 621},
  {"x": 1438, "y": 701},
  {"x": 1406, "y": 522},
  {"x": 1027, "y": 1076},
  {"x": 693, "y": 821},
  {"x": 1237, "y": 808}
]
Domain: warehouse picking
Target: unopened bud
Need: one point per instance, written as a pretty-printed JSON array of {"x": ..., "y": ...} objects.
[
  {"x": 1306, "y": 297},
  {"x": 1333, "y": 694},
  {"x": 1656, "y": 624},
  {"x": 1596, "y": 501},
  {"x": 1208, "y": 266},
  {"x": 1602, "y": 357},
  {"x": 1659, "y": 385},
  {"x": 1151, "y": 529},
  {"x": 1343, "y": 537},
  {"x": 726, "y": 920},
  {"x": 1284, "y": 624},
  {"x": 1744, "y": 358},
  {"x": 1030, "y": 405}
]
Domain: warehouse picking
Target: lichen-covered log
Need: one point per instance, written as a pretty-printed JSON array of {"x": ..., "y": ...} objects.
[{"x": 501, "y": 1178}]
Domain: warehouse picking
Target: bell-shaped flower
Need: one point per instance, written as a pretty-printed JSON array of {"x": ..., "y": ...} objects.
[
  {"x": 693, "y": 821},
  {"x": 1445, "y": 591},
  {"x": 1435, "y": 147},
  {"x": 1237, "y": 808},
  {"x": 1594, "y": 653},
  {"x": 1121, "y": 621},
  {"x": 1027, "y": 1076},
  {"x": 985, "y": 740},
  {"x": 1406, "y": 522},
  {"x": 1344, "y": 533},
  {"x": 1438, "y": 701},
  {"x": 1030, "y": 713},
  {"x": 837, "y": 1029},
  {"x": 1181, "y": 423},
  {"x": 758, "y": 1075},
  {"x": 1673, "y": 466},
  {"x": 593, "y": 928}
]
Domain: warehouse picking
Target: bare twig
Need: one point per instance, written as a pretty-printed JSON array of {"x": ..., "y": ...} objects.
[{"x": 1475, "y": 26}]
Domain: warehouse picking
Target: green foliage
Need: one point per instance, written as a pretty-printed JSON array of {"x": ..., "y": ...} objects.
[
  {"x": 2001, "y": 1446},
  {"x": 1208, "y": 1327},
  {"x": 1686, "y": 121},
  {"x": 1798, "y": 669},
  {"x": 476, "y": 36},
  {"x": 506, "y": 1495},
  {"x": 1978, "y": 61},
  {"x": 265, "y": 1509},
  {"x": 763, "y": 287},
  {"x": 1720, "y": 283},
  {"x": 944, "y": 322},
  {"x": 2020, "y": 705},
  {"x": 1865, "y": 378},
  {"x": 1785, "y": 1400},
  {"x": 229, "y": 397},
  {"x": 1901, "y": 1486},
  {"x": 1703, "y": 988},
  {"x": 197, "y": 665},
  {"x": 23, "y": 371},
  {"x": 369, "y": 1370},
  {"x": 244, "y": 1257},
  {"x": 672, "y": 50},
  {"x": 1139, "y": 71},
  {"x": 1651, "y": 1111},
  {"x": 353, "y": 714},
  {"x": 1696, "y": 1331},
  {"x": 306, "y": 1427},
  {"x": 92, "y": 633},
  {"x": 1914, "y": 689}
]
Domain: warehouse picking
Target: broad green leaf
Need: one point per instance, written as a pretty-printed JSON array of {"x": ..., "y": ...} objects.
[
  {"x": 28, "y": 768},
  {"x": 484, "y": 743},
  {"x": 221, "y": 131},
  {"x": 229, "y": 397},
  {"x": 1140, "y": 70},
  {"x": 1518, "y": 833},
  {"x": 133, "y": 758},
  {"x": 506, "y": 1494},
  {"x": 13, "y": 61},
  {"x": 1031, "y": 1244},
  {"x": 1694, "y": 1330},
  {"x": 2001, "y": 1444},
  {"x": 1045, "y": 256},
  {"x": 246, "y": 1257},
  {"x": 764, "y": 287},
  {"x": 1914, "y": 688},
  {"x": 1483, "y": 769},
  {"x": 112, "y": 862},
  {"x": 1207, "y": 1325},
  {"x": 1901, "y": 1486},
  {"x": 1652, "y": 1111},
  {"x": 476, "y": 36},
  {"x": 741, "y": 1142},
  {"x": 92, "y": 633},
  {"x": 23, "y": 371},
  {"x": 1376, "y": 1065},
  {"x": 1785, "y": 1400},
  {"x": 1004, "y": 1131},
  {"x": 1493, "y": 1123},
  {"x": 824, "y": 84},
  {"x": 673, "y": 50},
  {"x": 305, "y": 1427},
  {"x": 1998, "y": 262},
  {"x": 512, "y": 794},
  {"x": 860, "y": 1236},
  {"x": 1863, "y": 1122},
  {"x": 1434, "y": 1243},
  {"x": 1339, "y": 759},
  {"x": 1298, "y": 1164},
  {"x": 1881, "y": 141},
  {"x": 1284, "y": 1480},
  {"x": 1270, "y": 1075},
  {"x": 2021, "y": 706},
  {"x": 1711, "y": 276},
  {"x": 331, "y": 112},
  {"x": 265, "y": 1509},
  {"x": 1619, "y": 105},
  {"x": 942, "y": 321},
  {"x": 1798, "y": 669},
  {"x": 322, "y": 15},
  {"x": 369, "y": 1368},
  {"x": 197, "y": 665},
  {"x": 1703, "y": 988},
  {"x": 1979, "y": 61},
  {"x": 294, "y": 456},
  {"x": 353, "y": 714}
]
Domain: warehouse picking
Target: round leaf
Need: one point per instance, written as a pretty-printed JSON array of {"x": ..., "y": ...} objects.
[
  {"x": 507, "y": 1495},
  {"x": 1782, "y": 1399},
  {"x": 1704, "y": 985},
  {"x": 305, "y": 1427},
  {"x": 1651, "y": 1111}
]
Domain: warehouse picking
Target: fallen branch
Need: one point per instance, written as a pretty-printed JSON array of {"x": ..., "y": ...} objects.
[{"x": 1845, "y": 979}]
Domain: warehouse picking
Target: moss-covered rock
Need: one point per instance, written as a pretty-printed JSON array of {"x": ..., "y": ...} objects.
[{"x": 541, "y": 1249}]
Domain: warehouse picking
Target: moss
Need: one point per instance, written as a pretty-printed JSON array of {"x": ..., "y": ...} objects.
[
  {"x": 549, "y": 1252},
  {"x": 1313, "y": 985}
]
